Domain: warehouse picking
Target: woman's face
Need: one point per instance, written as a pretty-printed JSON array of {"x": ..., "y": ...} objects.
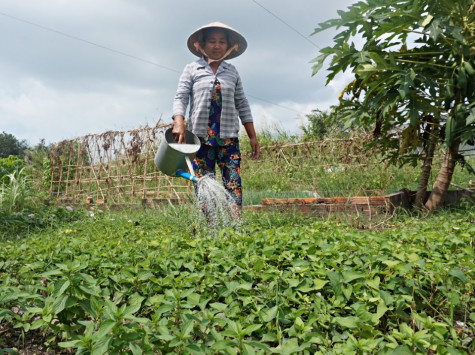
[{"x": 216, "y": 44}]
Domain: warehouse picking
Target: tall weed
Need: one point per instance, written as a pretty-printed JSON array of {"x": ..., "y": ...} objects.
[
  {"x": 15, "y": 192},
  {"x": 330, "y": 167},
  {"x": 22, "y": 212}
]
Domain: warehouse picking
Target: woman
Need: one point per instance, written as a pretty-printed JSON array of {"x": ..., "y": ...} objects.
[{"x": 217, "y": 101}]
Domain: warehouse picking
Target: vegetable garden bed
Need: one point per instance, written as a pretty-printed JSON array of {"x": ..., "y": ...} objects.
[{"x": 153, "y": 283}]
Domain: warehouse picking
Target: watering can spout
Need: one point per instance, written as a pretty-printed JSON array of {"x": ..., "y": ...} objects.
[{"x": 186, "y": 175}]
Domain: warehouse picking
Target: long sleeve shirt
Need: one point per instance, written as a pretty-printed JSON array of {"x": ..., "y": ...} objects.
[{"x": 194, "y": 88}]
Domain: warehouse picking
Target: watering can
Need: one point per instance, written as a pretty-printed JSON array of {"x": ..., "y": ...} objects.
[{"x": 174, "y": 159}]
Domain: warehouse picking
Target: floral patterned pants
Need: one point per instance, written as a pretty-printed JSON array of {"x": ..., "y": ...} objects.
[{"x": 228, "y": 159}]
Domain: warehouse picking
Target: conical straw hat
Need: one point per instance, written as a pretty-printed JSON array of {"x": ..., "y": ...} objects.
[{"x": 234, "y": 37}]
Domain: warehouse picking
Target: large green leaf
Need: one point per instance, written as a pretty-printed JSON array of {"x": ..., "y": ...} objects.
[
  {"x": 347, "y": 322},
  {"x": 349, "y": 276},
  {"x": 104, "y": 329},
  {"x": 459, "y": 274},
  {"x": 101, "y": 346},
  {"x": 60, "y": 287},
  {"x": 269, "y": 314},
  {"x": 135, "y": 302},
  {"x": 60, "y": 304}
]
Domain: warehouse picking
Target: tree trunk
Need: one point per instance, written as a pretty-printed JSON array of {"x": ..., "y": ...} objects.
[
  {"x": 425, "y": 174},
  {"x": 444, "y": 178}
]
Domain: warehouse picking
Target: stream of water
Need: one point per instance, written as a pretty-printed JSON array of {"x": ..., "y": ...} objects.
[{"x": 216, "y": 204}]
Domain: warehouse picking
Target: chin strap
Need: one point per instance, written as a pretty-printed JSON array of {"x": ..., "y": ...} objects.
[{"x": 202, "y": 51}]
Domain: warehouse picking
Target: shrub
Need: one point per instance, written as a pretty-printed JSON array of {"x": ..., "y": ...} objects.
[{"x": 10, "y": 165}]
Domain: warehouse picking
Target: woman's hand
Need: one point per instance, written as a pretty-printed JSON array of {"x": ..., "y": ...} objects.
[
  {"x": 251, "y": 133},
  {"x": 178, "y": 130},
  {"x": 255, "y": 149}
]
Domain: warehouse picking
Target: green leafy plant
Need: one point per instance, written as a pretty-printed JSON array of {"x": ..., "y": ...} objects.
[
  {"x": 151, "y": 283},
  {"x": 8, "y": 166}
]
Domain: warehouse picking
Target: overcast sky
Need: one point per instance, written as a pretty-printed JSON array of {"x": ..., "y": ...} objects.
[{"x": 74, "y": 67}]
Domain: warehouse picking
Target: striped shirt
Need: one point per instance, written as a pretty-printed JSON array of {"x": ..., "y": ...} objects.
[{"x": 194, "y": 88}]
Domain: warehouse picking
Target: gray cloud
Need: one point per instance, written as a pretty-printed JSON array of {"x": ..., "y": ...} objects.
[{"x": 55, "y": 86}]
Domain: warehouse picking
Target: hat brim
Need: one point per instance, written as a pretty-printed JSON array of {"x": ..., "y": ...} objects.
[{"x": 234, "y": 37}]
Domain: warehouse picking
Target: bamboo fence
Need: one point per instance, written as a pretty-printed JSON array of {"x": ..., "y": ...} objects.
[
  {"x": 310, "y": 166},
  {"x": 114, "y": 167},
  {"x": 118, "y": 167}
]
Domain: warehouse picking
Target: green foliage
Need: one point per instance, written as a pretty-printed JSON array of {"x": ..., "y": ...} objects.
[
  {"x": 413, "y": 75},
  {"x": 35, "y": 217},
  {"x": 148, "y": 283},
  {"x": 14, "y": 191},
  {"x": 10, "y": 165},
  {"x": 333, "y": 167},
  {"x": 317, "y": 125},
  {"x": 271, "y": 136},
  {"x": 34, "y": 161},
  {"x": 21, "y": 208},
  {"x": 10, "y": 145},
  {"x": 46, "y": 178},
  {"x": 324, "y": 124}
]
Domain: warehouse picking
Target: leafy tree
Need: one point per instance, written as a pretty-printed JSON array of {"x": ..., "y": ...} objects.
[
  {"x": 316, "y": 128},
  {"x": 414, "y": 79},
  {"x": 10, "y": 145},
  {"x": 323, "y": 124}
]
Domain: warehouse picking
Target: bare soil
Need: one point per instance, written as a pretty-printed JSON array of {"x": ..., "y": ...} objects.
[{"x": 30, "y": 343}]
